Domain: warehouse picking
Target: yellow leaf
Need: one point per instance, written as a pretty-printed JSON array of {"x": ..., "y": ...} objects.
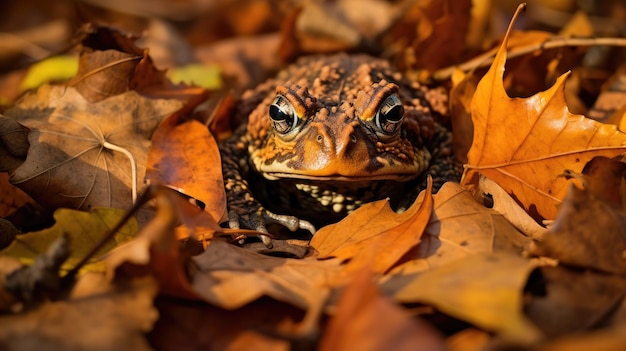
[
  {"x": 208, "y": 77},
  {"x": 84, "y": 230},
  {"x": 56, "y": 68},
  {"x": 484, "y": 289}
]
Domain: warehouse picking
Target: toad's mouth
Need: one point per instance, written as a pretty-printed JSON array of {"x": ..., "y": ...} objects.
[{"x": 400, "y": 177}]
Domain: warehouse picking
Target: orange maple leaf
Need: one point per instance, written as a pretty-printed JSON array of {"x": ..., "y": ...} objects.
[{"x": 524, "y": 144}]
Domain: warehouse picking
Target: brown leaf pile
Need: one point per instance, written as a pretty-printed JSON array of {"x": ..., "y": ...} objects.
[{"x": 475, "y": 266}]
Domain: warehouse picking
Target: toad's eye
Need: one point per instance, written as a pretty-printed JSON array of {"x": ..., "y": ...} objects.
[
  {"x": 389, "y": 115},
  {"x": 283, "y": 115}
]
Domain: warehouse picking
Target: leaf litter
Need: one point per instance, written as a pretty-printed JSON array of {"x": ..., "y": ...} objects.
[{"x": 458, "y": 257}]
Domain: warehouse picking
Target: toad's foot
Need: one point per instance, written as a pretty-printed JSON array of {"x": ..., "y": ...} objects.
[{"x": 257, "y": 221}]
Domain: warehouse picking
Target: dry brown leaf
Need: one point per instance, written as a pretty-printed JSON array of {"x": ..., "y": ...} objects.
[
  {"x": 200, "y": 326},
  {"x": 13, "y": 144},
  {"x": 605, "y": 179},
  {"x": 460, "y": 227},
  {"x": 429, "y": 34},
  {"x": 374, "y": 235},
  {"x": 463, "y": 88},
  {"x": 366, "y": 320},
  {"x": 588, "y": 233},
  {"x": 607, "y": 339},
  {"x": 231, "y": 277},
  {"x": 156, "y": 248},
  {"x": 186, "y": 157},
  {"x": 85, "y": 155},
  {"x": 485, "y": 290},
  {"x": 97, "y": 316},
  {"x": 573, "y": 301},
  {"x": 111, "y": 64},
  {"x": 523, "y": 144},
  {"x": 490, "y": 191}
]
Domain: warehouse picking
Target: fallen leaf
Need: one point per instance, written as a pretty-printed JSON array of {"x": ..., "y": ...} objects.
[
  {"x": 460, "y": 227},
  {"x": 429, "y": 34},
  {"x": 111, "y": 64},
  {"x": 523, "y": 144},
  {"x": 97, "y": 316},
  {"x": 374, "y": 235},
  {"x": 84, "y": 229},
  {"x": 569, "y": 301},
  {"x": 13, "y": 144},
  {"x": 484, "y": 289},
  {"x": 356, "y": 322},
  {"x": 53, "y": 69},
  {"x": 187, "y": 158},
  {"x": 511, "y": 210},
  {"x": 156, "y": 249},
  {"x": 230, "y": 277},
  {"x": 605, "y": 179},
  {"x": 85, "y": 155},
  {"x": 461, "y": 93},
  {"x": 588, "y": 233},
  {"x": 607, "y": 339},
  {"x": 258, "y": 325}
]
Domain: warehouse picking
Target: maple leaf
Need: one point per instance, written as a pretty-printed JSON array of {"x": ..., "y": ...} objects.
[
  {"x": 524, "y": 144},
  {"x": 85, "y": 155}
]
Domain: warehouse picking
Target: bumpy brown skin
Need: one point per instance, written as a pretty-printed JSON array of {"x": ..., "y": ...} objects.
[{"x": 337, "y": 157}]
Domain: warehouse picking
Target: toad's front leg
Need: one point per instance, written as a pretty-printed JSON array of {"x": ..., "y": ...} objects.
[{"x": 244, "y": 211}]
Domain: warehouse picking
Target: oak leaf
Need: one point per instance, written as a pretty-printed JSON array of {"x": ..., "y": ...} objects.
[
  {"x": 523, "y": 144},
  {"x": 484, "y": 289},
  {"x": 374, "y": 235},
  {"x": 85, "y": 155}
]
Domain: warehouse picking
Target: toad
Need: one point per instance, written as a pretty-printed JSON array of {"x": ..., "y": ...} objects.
[{"x": 327, "y": 135}]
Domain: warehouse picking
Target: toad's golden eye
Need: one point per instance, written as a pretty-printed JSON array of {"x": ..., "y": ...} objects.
[
  {"x": 283, "y": 115},
  {"x": 389, "y": 115}
]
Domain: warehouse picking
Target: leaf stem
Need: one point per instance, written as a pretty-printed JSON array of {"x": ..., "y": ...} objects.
[{"x": 133, "y": 165}]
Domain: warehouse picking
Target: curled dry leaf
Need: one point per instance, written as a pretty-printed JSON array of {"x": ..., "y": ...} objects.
[
  {"x": 86, "y": 155},
  {"x": 13, "y": 144},
  {"x": 374, "y": 235},
  {"x": 460, "y": 227},
  {"x": 111, "y": 64},
  {"x": 523, "y": 144},
  {"x": 186, "y": 157},
  {"x": 604, "y": 177},
  {"x": 588, "y": 233},
  {"x": 356, "y": 322},
  {"x": 156, "y": 248},
  {"x": 572, "y": 301},
  {"x": 485, "y": 290}
]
